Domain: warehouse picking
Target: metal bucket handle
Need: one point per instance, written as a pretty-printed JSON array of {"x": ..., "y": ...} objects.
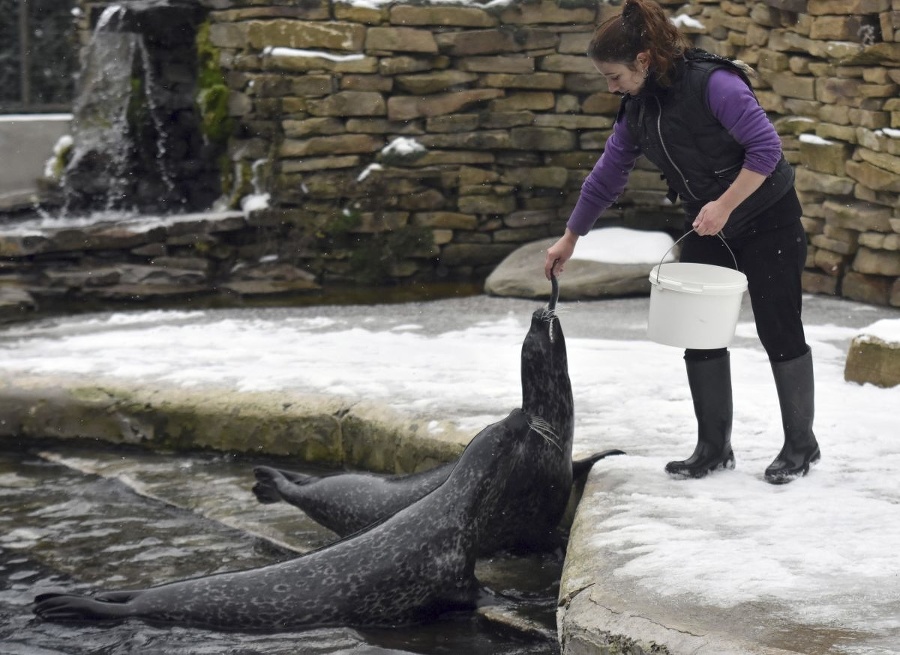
[{"x": 719, "y": 234}]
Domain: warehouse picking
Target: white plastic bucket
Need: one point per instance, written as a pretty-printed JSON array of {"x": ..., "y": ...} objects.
[{"x": 694, "y": 305}]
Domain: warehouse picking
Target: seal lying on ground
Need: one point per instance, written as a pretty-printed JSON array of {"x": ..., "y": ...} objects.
[
  {"x": 533, "y": 503},
  {"x": 409, "y": 568}
]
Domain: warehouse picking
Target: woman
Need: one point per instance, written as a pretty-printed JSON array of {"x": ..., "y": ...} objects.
[{"x": 694, "y": 115}]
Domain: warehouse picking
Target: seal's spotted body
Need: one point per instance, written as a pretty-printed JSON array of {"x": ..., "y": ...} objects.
[
  {"x": 532, "y": 504},
  {"x": 414, "y": 565}
]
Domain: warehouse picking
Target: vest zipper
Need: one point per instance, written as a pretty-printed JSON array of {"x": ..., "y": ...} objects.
[{"x": 666, "y": 151}]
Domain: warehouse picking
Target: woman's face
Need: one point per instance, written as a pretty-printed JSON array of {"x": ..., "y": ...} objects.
[{"x": 623, "y": 78}]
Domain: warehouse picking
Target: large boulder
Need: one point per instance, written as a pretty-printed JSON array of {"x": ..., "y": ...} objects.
[{"x": 608, "y": 262}]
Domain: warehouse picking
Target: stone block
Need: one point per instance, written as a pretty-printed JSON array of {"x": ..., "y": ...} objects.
[
  {"x": 871, "y": 289},
  {"x": 871, "y": 119},
  {"x": 878, "y": 141},
  {"x": 472, "y": 140},
  {"x": 524, "y": 100},
  {"x": 837, "y": 114},
  {"x": 330, "y": 145},
  {"x": 286, "y": 61},
  {"x": 807, "y": 180},
  {"x": 378, "y": 83},
  {"x": 486, "y": 204},
  {"x": 873, "y": 177},
  {"x": 883, "y": 160},
  {"x": 453, "y": 123},
  {"x": 575, "y": 43},
  {"x": 400, "y": 39},
  {"x": 574, "y": 121},
  {"x": 401, "y": 108},
  {"x": 349, "y": 103},
  {"x": 542, "y": 138},
  {"x": 567, "y": 64},
  {"x": 771, "y": 60},
  {"x": 541, "y": 81},
  {"x": 544, "y": 177},
  {"x": 844, "y": 133},
  {"x": 879, "y": 241},
  {"x": 825, "y": 156},
  {"x": 812, "y": 226},
  {"x": 547, "y": 12},
  {"x": 830, "y": 263},
  {"x": 878, "y": 90},
  {"x": 445, "y": 220},
  {"x": 814, "y": 282},
  {"x": 347, "y": 37},
  {"x": 860, "y": 217},
  {"x": 405, "y": 64},
  {"x": 877, "y": 262},
  {"x": 432, "y": 82},
  {"x": 833, "y": 89},
  {"x": 833, "y": 245},
  {"x": 403, "y": 14},
  {"x": 800, "y": 107},
  {"x": 836, "y": 28},
  {"x": 515, "y": 64},
  {"x": 794, "y": 86},
  {"x": 840, "y": 7},
  {"x": 506, "y": 39}
]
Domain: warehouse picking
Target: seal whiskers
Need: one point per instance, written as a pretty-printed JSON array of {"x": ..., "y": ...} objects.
[{"x": 545, "y": 430}]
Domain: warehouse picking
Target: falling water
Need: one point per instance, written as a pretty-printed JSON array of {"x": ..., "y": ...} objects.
[
  {"x": 97, "y": 171},
  {"x": 137, "y": 138}
]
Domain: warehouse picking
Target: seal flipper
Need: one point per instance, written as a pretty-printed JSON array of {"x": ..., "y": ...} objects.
[
  {"x": 581, "y": 467},
  {"x": 270, "y": 487},
  {"x": 110, "y": 606}
]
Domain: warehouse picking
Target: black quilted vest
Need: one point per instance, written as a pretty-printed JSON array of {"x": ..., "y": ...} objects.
[{"x": 697, "y": 156}]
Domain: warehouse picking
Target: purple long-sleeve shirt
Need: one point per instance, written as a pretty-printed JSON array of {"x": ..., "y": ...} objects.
[{"x": 731, "y": 102}]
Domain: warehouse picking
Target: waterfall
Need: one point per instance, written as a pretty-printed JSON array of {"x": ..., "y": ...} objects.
[{"x": 137, "y": 141}]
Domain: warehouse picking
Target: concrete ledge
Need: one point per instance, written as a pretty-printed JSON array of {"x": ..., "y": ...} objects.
[
  {"x": 316, "y": 429},
  {"x": 603, "y": 613}
]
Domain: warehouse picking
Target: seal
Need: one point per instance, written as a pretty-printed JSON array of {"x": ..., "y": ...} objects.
[
  {"x": 411, "y": 567},
  {"x": 533, "y": 504}
]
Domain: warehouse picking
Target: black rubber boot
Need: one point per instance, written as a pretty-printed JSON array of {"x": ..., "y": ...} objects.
[
  {"x": 796, "y": 396},
  {"x": 710, "y": 383}
]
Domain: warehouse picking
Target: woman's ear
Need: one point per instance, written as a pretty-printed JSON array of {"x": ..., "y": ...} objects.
[{"x": 643, "y": 60}]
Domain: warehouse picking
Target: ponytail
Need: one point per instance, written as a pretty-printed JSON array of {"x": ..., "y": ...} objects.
[{"x": 642, "y": 26}]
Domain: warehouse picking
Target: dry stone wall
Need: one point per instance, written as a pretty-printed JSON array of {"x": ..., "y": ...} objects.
[
  {"x": 437, "y": 137},
  {"x": 426, "y": 140}
]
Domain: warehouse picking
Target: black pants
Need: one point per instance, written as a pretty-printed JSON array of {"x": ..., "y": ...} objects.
[{"x": 772, "y": 256}]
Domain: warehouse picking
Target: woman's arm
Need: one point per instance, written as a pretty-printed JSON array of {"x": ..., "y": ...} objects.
[
  {"x": 600, "y": 189},
  {"x": 732, "y": 102}
]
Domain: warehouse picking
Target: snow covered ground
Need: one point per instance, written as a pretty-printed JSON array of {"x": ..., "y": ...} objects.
[{"x": 730, "y": 539}]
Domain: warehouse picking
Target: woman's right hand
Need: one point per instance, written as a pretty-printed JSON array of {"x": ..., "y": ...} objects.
[{"x": 559, "y": 253}]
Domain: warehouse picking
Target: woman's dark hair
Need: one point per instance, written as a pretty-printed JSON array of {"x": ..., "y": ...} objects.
[{"x": 641, "y": 26}]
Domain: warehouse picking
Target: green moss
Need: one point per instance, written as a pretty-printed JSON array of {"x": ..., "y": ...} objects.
[{"x": 212, "y": 91}]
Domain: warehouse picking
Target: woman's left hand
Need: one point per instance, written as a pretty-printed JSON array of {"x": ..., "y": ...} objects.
[{"x": 711, "y": 219}]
